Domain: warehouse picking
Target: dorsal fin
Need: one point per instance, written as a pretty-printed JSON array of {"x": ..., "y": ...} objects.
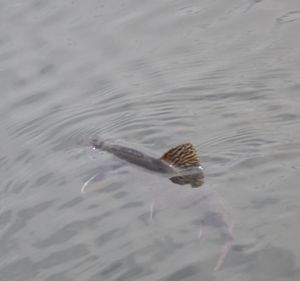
[{"x": 182, "y": 156}]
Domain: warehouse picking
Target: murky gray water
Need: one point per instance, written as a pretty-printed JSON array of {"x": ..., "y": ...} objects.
[{"x": 223, "y": 74}]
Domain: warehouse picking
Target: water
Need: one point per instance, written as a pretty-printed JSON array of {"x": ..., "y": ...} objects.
[{"x": 223, "y": 74}]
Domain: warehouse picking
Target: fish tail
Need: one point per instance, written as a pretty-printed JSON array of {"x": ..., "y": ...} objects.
[{"x": 182, "y": 156}]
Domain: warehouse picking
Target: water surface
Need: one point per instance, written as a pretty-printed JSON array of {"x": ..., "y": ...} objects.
[{"x": 222, "y": 74}]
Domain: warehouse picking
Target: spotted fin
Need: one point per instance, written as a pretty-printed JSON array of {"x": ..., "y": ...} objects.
[{"x": 182, "y": 156}]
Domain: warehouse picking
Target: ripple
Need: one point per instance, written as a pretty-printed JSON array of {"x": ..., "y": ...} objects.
[
  {"x": 54, "y": 259},
  {"x": 152, "y": 75},
  {"x": 19, "y": 269},
  {"x": 289, "y": 17}
]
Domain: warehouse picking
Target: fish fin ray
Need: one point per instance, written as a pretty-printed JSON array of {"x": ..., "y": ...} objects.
[{"x": 182, "y": 156}]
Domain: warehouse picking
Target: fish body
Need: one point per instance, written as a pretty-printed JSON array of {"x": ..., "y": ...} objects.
[
  {"x": 180, "y": 162},
  {"x": 136, "y": 157}
]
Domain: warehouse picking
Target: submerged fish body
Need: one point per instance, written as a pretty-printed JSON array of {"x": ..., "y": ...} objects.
[{"x": 180, "y": 162}]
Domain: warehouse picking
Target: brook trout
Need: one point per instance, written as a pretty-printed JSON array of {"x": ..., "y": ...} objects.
[{"x": 181, "y": 162}]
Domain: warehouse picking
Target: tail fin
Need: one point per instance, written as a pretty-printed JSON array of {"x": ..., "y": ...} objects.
[{"x": 182, "y": 156}]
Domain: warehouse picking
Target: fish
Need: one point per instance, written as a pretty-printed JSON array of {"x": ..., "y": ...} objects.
[
  {"x": 182, "y": 165},
  {"x": 181, "y": 162}
]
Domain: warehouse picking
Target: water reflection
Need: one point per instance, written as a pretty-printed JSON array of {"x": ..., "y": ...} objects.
[{"x": 195, "y": 180}]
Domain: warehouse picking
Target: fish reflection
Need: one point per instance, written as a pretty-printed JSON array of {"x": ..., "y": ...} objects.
[{"x": 195, "y": 180}]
